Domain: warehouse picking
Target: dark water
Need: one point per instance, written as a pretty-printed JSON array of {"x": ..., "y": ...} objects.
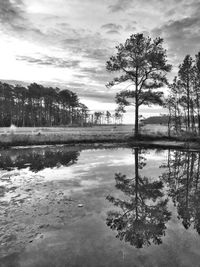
[{"x": 67, "y": 206}]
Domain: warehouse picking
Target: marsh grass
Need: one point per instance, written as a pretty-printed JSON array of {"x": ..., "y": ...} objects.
[{"x": 51, "y": 136}]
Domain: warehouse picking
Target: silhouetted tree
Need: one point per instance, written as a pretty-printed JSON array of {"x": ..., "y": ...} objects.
[
  {"x": 141, "y": 62},
  {"x": 185, "y": 76},
  {"x": 108, "y": 116},
  {"x": 183, "y": 101},
  {"x": 38, "y": 105}
]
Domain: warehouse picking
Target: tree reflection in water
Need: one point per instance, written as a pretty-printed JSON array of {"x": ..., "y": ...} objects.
[
  {"x": 142, "y": 215},
  {"x": 38, "y": 159},
  {"x": 183, "y": 181}
]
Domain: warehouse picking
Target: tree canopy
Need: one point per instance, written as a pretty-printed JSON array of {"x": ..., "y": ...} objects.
[
  {"x": 37, "y": 105},
  {"x": 140, "y": 63},
  {"x": 183, "y": 101}
]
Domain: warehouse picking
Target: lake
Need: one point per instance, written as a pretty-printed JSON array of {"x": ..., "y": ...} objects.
[{"x": 85, "y": 206}]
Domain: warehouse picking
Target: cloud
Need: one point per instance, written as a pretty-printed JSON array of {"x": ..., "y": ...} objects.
[
  {"x": 14, "y": 20},
  {"x": 11, "y": 11},
  {"x": 181, "y": 36},
  {"x": 91, "y": 46},
  {"x": 57, "y": 33},
  {"x": 101, "y": 54},
  {"x": 120, "y": 5},
  {"x": 53, "y": 31},
  {"x": 130, "y": 28},
  {"x": 50, "y": 61},
  {"x": 98, "y": 74},
  {"x": 112, "y": 26},
  {"x": 112, "y": 32},
  {"x": 98, "y": 96}
]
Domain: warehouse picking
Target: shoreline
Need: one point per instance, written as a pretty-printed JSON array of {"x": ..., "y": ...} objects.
[
  {"x": 102, "y": 135},
  {"x": 12, "y": 140},
  {"x": 27, "y": 140}
]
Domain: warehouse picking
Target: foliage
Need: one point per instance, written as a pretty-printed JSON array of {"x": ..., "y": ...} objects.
[
  {"x": 183, "y": 101},
  {"x": 38, "y": 105},
  {"x": 142, "y": 63}
]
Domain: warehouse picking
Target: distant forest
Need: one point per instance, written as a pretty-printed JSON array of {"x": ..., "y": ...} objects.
[
  {"x": 38, "y": 105},
  {"x": 156, "y": 120}
]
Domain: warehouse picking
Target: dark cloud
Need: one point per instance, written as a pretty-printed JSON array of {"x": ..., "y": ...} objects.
[
  {"x": 120, "y": 5},
  {"x": 71, "y": 41},
  {"x": 51, "y": 61},
  {"x": 113, "y": 32},
  {"x": 112, "y": 26},
  {"x": 170, "y": 12},
  {"x": 97, "y": 74},
  {"x": 101, "y": 54},
  {"x": 91, "y": 46},
  {"x": 95, "y": 94},
  {"x": 83, "y": 42},
  {"x": 181, "y": 36},
  {"x": 13, "y": 20},
  {"x": 11, "y": 11},
  {"x": 130, "y": 28}
]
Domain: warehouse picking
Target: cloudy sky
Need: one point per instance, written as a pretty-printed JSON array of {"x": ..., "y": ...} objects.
[{"x": 66, "y": 43}]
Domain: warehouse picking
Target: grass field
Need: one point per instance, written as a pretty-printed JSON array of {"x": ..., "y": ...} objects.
[
  {"x": 59, "y": 135},
  {"x": 100, "y": 129}
]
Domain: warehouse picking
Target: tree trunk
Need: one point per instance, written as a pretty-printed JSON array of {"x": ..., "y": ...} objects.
[
  {"x": 136, "y": 120},
  {"x": 136, "y": 105},
  {"x": 169, "y": 122},
  {"x": 188, "y": 105},
  {"x": 136, "y": 182}
]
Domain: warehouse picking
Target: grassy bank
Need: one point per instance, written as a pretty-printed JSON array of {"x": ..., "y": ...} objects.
[
  {"x": 156, "y": 136},
  {"x": 50, "y": 136}
]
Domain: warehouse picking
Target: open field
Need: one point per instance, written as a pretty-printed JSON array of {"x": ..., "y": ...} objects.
[
  {"x": 62, "y": 135},
  {"x": 100, "y": 129},
  {"x": 71, "y": 130},
  {"x": 54, "y": 135}
]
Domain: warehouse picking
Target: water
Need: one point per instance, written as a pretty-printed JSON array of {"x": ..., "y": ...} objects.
[{"x": 73, "y": 206}]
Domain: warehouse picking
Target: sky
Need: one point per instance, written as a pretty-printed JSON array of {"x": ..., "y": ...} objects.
[{"x": 66, "y": 43}]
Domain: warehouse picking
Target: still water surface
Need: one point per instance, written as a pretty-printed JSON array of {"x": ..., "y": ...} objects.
[{"x": 72, "y": 206}]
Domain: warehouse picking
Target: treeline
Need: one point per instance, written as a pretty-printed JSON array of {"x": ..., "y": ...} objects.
[
  {"x": 163, "y": 119},
  {"x": 183, "y": 101},
  {"x": 106, "y": 117},
  {"x": 37, "y": 105}
]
